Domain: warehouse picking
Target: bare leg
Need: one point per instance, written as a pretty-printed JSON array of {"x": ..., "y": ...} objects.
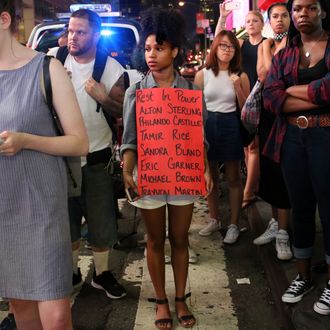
[
  {"x": 26, "y": 314},
  {"x": 213, "y": 198},
  {"x": 234, "y": 181},
  {"x": 283, "y": 218},
  {"x": 274, "y": 212},
  {"x": 156, "y": 232},
  {"x": 179, "y": 223},
  {"x": 253, "y": 171},
  {"x": 55, "y": 314},
  {"x": 304, "y": 268}
]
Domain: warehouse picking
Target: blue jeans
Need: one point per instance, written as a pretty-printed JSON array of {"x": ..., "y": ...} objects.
[
  {"x": 305, "y": 161},
  {"x": 96, "y": 204}
]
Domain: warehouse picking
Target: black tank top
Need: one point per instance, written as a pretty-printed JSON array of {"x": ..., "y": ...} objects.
[
  {"x": 305, "y": 76},
  {"x": 249, "y": 61}
]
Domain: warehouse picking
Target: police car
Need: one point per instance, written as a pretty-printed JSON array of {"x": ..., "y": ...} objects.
[{"x": 119, "y": 35}]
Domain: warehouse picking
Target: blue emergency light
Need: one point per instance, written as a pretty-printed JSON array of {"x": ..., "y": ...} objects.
[{"x": 98, "y": 8}]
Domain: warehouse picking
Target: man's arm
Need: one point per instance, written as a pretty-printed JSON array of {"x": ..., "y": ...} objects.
[{"x": 112, "y": 103}]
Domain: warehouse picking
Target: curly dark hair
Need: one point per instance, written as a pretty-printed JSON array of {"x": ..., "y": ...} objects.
[
  {"x": 325, "y": 22},
  {"x": 13, "y": 8},
  {"x": 168, "y": 25}
]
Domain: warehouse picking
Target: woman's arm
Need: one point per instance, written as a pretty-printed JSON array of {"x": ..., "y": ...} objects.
[
  {"x": 293, "y": 104},
  {"x": 319, "y": 90},
  {"x": 75, "y": 140},
  {"x": 242, "y": 87},
  {"x": 267, "y": 53},
  {"x": 261, "y": 71},
  {"x": 221, "y": 25},
  {"x": 299, "y": 92},
  {"x": 274, "y": 91},
  {"x": 129, "y": 161},
  {"x": 207, "y": 174},
  {"x": 199, "y": 79}
]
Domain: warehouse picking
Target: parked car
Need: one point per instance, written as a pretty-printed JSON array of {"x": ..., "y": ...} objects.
[
  {"x": 119, "y": 36},
  {"x": 189, "y": 69}
]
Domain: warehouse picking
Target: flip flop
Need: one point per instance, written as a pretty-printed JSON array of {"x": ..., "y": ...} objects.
[{"x": 248, "y": 202}]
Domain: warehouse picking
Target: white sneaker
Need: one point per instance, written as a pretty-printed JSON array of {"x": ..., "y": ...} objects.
[
  {"x": 231, "y": 234},
  {"x": 269, "y": 234},
  {"x": 283, "y": 245},
  {"x": 211, "y": 227},
  {"x": 193, "y": 258}
]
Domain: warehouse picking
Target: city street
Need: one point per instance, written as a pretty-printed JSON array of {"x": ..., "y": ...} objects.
[
  {"x": 218, "y": 300},
  {"x": 233, "y": 286}
]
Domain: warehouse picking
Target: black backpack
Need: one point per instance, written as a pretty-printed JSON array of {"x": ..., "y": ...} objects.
[{"x": 98, "y": 69}]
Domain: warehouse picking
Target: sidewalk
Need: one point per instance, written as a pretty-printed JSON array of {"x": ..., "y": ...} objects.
[
  {"x": 218, "y": 302},
  {"x": 280, "y": 274},
  {"x": 207, "y": 281}
]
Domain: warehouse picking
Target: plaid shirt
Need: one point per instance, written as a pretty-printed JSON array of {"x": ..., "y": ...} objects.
[{"x": 283, "y": 74}]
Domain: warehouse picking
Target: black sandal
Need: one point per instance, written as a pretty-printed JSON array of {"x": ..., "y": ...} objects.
[
  {"x": 185, "y": 318},
  {"x": 164, "y": 321}
]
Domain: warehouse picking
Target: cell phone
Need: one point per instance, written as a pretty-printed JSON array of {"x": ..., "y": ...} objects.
[
  {"x": 233, "y": 5},
  {"x": 131, "y": 194},
  {"x": 1, "y": 141}
]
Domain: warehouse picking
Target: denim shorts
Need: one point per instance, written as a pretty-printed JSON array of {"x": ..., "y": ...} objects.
[
  {"x": 154, "y": 202},
  {"x": 224, "y": 137},
  {"x": 96, "y": 204}
]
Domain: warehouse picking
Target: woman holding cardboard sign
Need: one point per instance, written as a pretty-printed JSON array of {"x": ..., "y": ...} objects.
[
  {"x": 224, "y": 88},
  {"x": 163, "y": 37}
]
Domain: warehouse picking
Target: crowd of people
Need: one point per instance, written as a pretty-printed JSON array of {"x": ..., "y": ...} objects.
[{"x": 287, "y": 162}]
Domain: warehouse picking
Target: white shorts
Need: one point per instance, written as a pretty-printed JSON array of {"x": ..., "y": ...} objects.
[{"x": 150, "y": 202}]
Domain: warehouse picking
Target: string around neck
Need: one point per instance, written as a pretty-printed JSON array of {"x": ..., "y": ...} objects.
[{"x": 308, "y": 53}]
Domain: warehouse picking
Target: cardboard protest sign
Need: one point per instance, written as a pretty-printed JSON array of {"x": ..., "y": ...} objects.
[{"x": 170, "y": 141}]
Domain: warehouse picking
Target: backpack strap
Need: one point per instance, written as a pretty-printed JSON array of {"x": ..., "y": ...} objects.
[
  {"x": 101, "y": 58},
  {"x": 126, "y": 80},
  {"x": 62, "y": 54}
]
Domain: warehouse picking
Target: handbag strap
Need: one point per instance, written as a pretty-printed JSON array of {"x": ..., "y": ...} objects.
[
  {"x": 56, "y": 121},
  {"x": 49, "y": 95}
]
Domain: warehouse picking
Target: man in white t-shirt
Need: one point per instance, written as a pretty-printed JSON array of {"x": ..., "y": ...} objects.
[{"x": 96, "y": 202}]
